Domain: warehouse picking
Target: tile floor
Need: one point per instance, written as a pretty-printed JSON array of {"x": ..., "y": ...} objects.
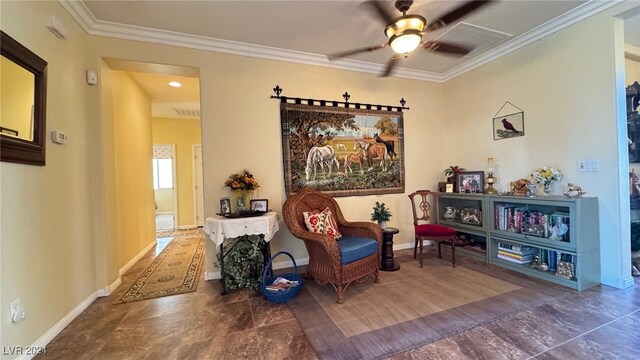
[{"x": 601, "y": 323}]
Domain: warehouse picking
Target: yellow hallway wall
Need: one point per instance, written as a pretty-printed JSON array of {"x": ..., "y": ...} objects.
[
  {"x": 133, "y": 169},
  {"x": 184, "y": 133}
]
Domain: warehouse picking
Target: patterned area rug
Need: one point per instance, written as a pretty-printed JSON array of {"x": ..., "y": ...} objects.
[
  {"x": 174, "y": 271},
  {"x": 413, "y": 307}
]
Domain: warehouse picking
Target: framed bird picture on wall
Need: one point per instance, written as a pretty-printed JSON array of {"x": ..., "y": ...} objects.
[{"x": 508, "y": 126}]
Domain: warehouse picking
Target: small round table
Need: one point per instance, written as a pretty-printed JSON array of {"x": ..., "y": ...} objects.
[{"x": 387, "y": 263}]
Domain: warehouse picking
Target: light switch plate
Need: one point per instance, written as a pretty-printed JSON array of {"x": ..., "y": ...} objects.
[{"x": 588, "y": 165}]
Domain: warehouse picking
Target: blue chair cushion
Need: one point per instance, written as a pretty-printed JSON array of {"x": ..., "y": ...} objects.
[{"x": 355, "y": 248}]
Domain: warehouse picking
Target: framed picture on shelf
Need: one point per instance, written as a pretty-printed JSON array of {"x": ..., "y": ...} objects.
[
  {"x": 259, "y": 205},
  {"x": 225, "y": 205},
  {"x": 470, "y": 181}
]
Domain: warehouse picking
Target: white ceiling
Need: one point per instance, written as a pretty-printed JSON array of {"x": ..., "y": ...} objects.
[{"x": 306, "y": 31}]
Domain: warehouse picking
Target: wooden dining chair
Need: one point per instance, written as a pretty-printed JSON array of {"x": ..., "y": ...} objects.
[{"x": 424, "y": 204}]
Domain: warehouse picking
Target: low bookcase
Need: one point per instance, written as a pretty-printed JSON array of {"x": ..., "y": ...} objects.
[
  {"x": 560, "y": 235},
  {"x": 467, "y": 216}
]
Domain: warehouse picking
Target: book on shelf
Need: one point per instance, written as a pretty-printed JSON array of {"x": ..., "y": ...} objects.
[
  {"x": 281, "y": 284},
  {"x": 551, "y": 225},
  {"x": 514, "y": 256},
  {"x": 517, "y": 261},
  {"x": 516, "y": 248}
]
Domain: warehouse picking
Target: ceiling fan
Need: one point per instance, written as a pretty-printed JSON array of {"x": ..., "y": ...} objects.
[{"x": 405, "y": 32}]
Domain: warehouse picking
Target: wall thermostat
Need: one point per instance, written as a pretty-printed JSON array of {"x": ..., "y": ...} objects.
[{"x": 58, "y": 137}]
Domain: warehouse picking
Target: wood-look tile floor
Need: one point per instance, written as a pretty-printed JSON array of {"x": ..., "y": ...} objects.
[{"x": 601, "y": 323}]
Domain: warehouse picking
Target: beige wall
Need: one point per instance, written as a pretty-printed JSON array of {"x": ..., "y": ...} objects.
[
  {"x": 18, "y": 90},
  {"x": 47, "y": 229},
  {"x": 569, "y": 113},
  {"x": 184, "y": 133}
]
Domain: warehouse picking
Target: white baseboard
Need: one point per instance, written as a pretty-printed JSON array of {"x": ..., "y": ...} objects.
[
  {"x": 402, "y": 246},
  {"x": 186, "y": 227},
  {"x": 624, "y": 283},
  {"x": 45, "y": 339},
  {"x": 108, "y": 290},
  {"x": 135, "y": 259},
  {"x": 212, "y": 275}
]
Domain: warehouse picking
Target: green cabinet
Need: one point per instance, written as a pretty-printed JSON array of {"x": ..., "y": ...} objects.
[
  {"x": 466, "y": 214},
  {"x": 553, "y": 238}
]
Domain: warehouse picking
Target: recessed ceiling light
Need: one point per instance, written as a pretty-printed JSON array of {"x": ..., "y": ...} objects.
[{"x": 175, "y": 84}]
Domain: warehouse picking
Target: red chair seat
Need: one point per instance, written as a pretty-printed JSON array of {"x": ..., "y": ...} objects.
[{"x": 434, "y": 230}]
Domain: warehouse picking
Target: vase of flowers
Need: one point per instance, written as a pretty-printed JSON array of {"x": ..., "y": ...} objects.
[
  {"x": 242, "y": 185},
  {"x": 546, "y": 176},
  {"x": 381, "y": 215}
]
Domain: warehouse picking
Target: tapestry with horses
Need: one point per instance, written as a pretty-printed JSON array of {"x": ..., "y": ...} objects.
[{"x": 342, "y": 151}]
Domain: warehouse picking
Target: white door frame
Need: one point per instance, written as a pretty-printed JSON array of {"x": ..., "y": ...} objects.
[
  {"x": 195, "y": 186},
  {"x": 174, "y": 174}
]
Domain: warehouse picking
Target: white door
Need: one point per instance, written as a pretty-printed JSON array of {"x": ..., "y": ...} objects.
[{"x": 199, "y": 190}]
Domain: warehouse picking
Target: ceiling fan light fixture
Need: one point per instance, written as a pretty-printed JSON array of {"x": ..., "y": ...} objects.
[
  {"x": 404, "y": 23},
  {"x": 405, "y": 42}
]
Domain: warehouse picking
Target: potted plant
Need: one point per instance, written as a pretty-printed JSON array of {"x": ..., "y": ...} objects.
[
  {"x": 451, "y": 172},
  {"x": 381, "y": 215}
]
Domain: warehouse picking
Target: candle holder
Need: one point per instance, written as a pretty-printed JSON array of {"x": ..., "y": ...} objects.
[{"x": 490, "y": 179}]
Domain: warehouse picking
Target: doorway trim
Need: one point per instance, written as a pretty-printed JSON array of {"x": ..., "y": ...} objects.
[{"x": 195, "y": 184}]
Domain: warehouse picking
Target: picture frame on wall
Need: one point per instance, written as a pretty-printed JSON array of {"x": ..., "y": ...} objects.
[
  {"x": 470, "y": 182},
  {"x": 259, "y": 205},
  {"x": 508, "y": 126}
]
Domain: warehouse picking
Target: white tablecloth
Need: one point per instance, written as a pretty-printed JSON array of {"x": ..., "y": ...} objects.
[{"x": 219, "y": 228}]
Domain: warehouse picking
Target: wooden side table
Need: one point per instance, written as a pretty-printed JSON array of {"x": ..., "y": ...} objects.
[{"x": 387, "y": 264}]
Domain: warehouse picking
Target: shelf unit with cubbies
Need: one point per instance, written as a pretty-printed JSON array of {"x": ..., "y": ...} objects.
[
  {"x": 466, "y": 214},
  {"x": 560, "y": 232}
]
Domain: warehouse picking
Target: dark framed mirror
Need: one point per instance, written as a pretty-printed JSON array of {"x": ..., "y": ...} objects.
[{"x": 23, "y": 99}]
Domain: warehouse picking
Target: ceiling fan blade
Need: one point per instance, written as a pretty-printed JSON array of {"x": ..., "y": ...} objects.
[
  {"x": 456, "y": 14},
  {"x": 355, "y": 51},
  {"x": 391, "y": 64},
  {"x": 446, "y": 48},
  {"x": 380, "y": 10}
]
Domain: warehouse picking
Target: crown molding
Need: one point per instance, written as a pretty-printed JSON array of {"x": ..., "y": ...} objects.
[
  {"x": 92, "y": 26},
  {"x": 575, "y": 15}
]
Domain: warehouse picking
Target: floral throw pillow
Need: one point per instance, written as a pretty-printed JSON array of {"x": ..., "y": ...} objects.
[{"x": 322, "y": 222}]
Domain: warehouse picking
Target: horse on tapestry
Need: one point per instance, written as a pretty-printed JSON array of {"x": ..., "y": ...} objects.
[
  {"x": 388, "y": 143},
  {"x": 373, "y": 151},
  {"x": 320, "y": 155},
  {"x": 356, "y": 158}
]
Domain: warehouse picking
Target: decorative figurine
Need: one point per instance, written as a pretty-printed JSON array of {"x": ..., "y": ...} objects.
[
  {"x": 573, "y": 191},
  {"x": 519, "y": 187},
  {"x": 449, "y": 213},
  {"x": 536, "y": 264}
]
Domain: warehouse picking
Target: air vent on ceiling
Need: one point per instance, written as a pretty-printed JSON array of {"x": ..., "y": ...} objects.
[
  {"x": 480, "y": 38},
  {"x": 187, "y": 112}
]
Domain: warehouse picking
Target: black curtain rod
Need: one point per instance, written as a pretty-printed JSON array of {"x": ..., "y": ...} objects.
[{"x": 348, "y": 105}]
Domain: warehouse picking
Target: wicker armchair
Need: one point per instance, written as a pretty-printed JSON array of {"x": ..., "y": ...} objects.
[{"x": 325, "y": 256}]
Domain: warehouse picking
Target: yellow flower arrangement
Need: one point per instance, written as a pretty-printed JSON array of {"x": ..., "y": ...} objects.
[{"x": 242, "y": 180}]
